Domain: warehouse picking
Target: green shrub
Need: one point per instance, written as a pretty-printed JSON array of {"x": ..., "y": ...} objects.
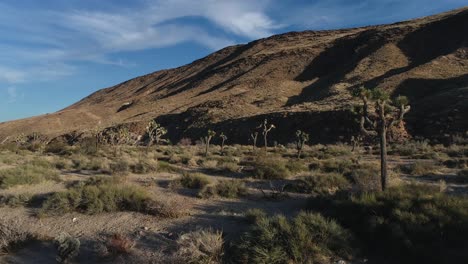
[
  {"x": 320, "y": 184},
  {"x": 193, "y": 181},
  {"x": 270, "y": 169},
  {"x": 27, "y": 174},
  {"x": 94, "y": 199},
  {"x": 224, "y": 188},
  {"x": 412, "y": 223},
  {"x": 308, "y": 238}
]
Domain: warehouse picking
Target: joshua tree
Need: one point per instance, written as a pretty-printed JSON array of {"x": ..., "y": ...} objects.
[
  {"x": 207, "y": 140},
  {"x": 355, "y": 141},
  {"x": 301, "y": 139},
  {"x": 266, "y": 128},
  {"x": 223, "y": 139},
  {"x": 254, "y": 137},
  {"x": 20, "y": 139},
  {"x": 155, "y": 132},
  {"x": 385, "y": 115},
  {"x": 98, "y": 135}
]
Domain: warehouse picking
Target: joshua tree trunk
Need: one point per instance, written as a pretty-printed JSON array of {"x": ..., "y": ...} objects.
[
  {"x": 383, "y": 158},
  {"x": 207, "y": 148},
  {"x": 383, "y": 148},
  {"x": 222, "y": 145},
  {"x": 266, "y": 141}
]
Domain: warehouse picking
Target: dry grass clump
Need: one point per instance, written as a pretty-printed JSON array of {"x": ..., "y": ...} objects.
[
  {"x": 366, "y": 176},
  {"x": 320, "y": 184},
  {"x": 419, "y": 168},
  {"x": 35, "y": 172},
  {"x": 201, "y": 246},
  {"x": 224, "y": 188},
  {"x": 144, "y": 166},
  {"x": 11, "y": 236},
  {"x": 164, "y": 166},
  {"x": 192, "y": 181}
]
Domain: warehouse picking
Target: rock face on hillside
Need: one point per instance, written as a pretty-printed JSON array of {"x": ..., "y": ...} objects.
[{"x": 298, "y": 80}]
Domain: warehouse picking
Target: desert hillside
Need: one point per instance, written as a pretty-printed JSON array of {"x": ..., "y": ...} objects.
[{"x": 299, "y": 80}]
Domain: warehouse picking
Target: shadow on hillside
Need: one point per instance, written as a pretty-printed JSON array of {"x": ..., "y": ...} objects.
[
  {"x": 437, "y": 105},
  {"x": 421, "y": 46},
  {"x": 333, "y": 64}
]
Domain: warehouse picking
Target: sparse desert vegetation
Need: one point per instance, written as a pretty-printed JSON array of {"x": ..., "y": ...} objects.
[
  {"x": 331, "y": 147},
  {"x": 236, "y": 204}
]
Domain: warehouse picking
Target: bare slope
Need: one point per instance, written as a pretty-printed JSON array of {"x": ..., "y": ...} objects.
[{"x": 298, "y": 79}]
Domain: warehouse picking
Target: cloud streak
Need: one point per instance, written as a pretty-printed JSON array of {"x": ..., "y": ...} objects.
[{"x": 49, "y": 42}]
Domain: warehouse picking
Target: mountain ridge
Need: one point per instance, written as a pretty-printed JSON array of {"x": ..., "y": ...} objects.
[{"x": 302, "y": 76}]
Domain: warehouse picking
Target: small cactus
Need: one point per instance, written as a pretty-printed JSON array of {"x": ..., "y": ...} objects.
[{"x": 68, "y": 247}]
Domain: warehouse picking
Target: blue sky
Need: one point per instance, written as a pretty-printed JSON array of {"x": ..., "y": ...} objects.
[{"x": 55, "y": 52}]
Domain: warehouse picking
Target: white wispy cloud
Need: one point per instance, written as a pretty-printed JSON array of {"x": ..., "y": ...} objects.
[{"x": 45, "y": 44}]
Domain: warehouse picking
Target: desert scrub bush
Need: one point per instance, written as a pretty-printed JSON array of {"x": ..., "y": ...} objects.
[
  {"x": 419, "y": 168},
  {"x": 411, "y": 148},
  {"x": 191, "y": 181},
  {"x": 455, "y": 163},
  {"x": 254, "y": 215},
  {"x": 11, "y": 236},
  {"x": 413, "y": 223},
  {"x": 339, "y": 166},
  {"x": 457, "y": 151},
  {"x": 270, "y": 169},
  {"x": 27, "y": 174},
  {"x": 307, "y": 238},
  {"x": 120, "y": 167},
  {"x": 68, "y": 247},
  {"x": 296, "y": 166},
  {"x": 143, "y": 166},
  {"x": 201, "y": 246},
  {"x": 462, "y": 176},
  {"x": 94, "y": 199},
  {"x": 224, "y": 188},
  {"x": 58, "y": 148},
  {"x": 119, "y": 244},
  {"x": 229, "y": 167},
  {"x": 365, "y": 176},
  {"x": 16, "y": 200},
  {"x": 319, "y": 184},
  {"x": 164, "y": 166}
]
